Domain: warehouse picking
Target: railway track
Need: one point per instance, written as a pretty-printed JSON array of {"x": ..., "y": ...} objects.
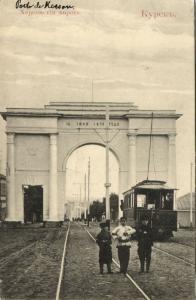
[
  {"x": 145, "y": 296},
  {"x": 15, "y": 254},
  {"x": 174, "y": 256},
  {"x": 22, "y": 266},
  {"x": 183, "y": 244},
  {"x": 178, "y": 258},
  {"x": 62, "y": 265},
  {"x": 134, "y": 278},
  {"x": 58, "y": 292}
]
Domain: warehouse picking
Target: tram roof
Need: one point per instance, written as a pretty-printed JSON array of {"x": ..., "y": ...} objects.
[{"x": 150, "y": 185}]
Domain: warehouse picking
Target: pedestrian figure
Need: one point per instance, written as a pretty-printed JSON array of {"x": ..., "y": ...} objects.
[
  {"x": 123, "y": 234},
  {"x": 145, "y": 242},
  {"x": 104, "y": 241}
]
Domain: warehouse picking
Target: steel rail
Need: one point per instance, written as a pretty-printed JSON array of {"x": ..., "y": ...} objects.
[
  {"x": 13, "y": 255},
  {"x": 62, "y": 265},
  {"x": 183, "y": 244},
  {"x": 172, "y": 255},
  {"x": 127, "y": 275}
]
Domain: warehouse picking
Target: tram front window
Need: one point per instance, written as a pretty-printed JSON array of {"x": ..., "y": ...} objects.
[
  {"x": 141, "y": 200},
  {"x": 168, "y": 201}
]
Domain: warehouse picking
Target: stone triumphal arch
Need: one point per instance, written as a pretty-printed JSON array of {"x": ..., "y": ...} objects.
[{"x": 40, "y": 141}]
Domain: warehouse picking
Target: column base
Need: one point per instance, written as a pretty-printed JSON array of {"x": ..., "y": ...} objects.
[
  {"x": 52, "y": 224},
  {"x": 11, "y": 224}
]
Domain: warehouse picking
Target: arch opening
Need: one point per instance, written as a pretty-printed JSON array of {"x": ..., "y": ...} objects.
[{"x": 86, "y": 176}]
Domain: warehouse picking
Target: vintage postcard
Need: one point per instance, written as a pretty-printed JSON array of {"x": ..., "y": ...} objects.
[{"x": 97, "y": 147}]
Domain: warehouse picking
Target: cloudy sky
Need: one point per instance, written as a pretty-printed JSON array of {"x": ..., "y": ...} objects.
[{"x": 129, "y": 55}]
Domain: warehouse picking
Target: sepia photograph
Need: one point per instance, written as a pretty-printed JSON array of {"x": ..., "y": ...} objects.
[{"x": 97, "y": 150}]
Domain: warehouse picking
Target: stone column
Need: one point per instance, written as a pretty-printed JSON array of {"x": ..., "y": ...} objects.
[
  {"x": 53, "y": 201},
  {"x": 172, "y": 160},
  {"x": 11, "y": 205},
  {"x": 132, "y": 160}
]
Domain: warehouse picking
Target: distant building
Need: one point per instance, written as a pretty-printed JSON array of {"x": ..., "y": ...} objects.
[
  {"x": 183, "y": 209},
  {"x": 3, "y": 204}
]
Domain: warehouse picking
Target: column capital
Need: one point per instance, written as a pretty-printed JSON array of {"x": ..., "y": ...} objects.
[
  {"x": 132, "y": 133},
  {"x": 132, "y": 139},
  {"x": 53, "y": 139},
  {"x": 10, "y": 138},
  {"x": 172, "y": 134},
  {"x": 172, "y": 138}
]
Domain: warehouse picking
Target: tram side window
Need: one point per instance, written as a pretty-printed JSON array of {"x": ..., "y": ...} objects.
[
  {"x": 132, "y": 200},
  {"x": 126, "y": 202},
  {"x": 141, "y": 200},
  {"x": 162, "y": 201},
  {"x": 129, "y": 200}
]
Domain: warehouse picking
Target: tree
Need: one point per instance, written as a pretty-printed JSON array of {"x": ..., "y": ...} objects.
[
  {"x": 97, "y": 209},
  {"x": 114, "y": 199}
]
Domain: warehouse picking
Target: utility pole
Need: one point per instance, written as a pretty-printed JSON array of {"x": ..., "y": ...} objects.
[
  {"x": 85, "y": 206},
  {"x": 88, "y": 191},
  {"x": 80, "y": 203},
  {"x": 107, "y": 184},
  {"x": 191, "y": 200}
]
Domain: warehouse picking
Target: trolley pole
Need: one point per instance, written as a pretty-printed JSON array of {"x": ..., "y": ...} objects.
[
  {"x": 107, "y": 184},
  {"x": 191, "y": 199}
]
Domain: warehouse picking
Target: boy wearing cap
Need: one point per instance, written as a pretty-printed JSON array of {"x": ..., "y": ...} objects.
[
  {"x": 104, "y": 241},
  {"x": 145, "y": 243},
  {"x": 123, "y": 234}
]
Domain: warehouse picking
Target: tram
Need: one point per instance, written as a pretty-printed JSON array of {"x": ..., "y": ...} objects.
[{"x": 151, "y": 198}]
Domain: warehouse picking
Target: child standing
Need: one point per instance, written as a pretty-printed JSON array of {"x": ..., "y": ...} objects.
[
  {"x": 145, "y": 243},
  {"x": 104, "y": 241}
]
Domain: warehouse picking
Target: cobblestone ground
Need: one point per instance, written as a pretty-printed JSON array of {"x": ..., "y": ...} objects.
[
  {"x": 182, "y": 251},
  {"x": 14, "y": 239},
  {"x": 185, "y": 236},
  {"x": 30, "y": 262},
  {"x": 33, "y": 273},
  {"x": 167, "y": 279},
  {"x": 82, "y": 279}
]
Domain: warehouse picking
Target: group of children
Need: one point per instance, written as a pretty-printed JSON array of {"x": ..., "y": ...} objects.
[{"x": 122, "y": 234}]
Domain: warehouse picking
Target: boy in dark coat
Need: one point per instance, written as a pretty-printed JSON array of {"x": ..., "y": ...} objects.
[
  {"x": 104, "y": 241},
  {"x": 145, "y": 243}
]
